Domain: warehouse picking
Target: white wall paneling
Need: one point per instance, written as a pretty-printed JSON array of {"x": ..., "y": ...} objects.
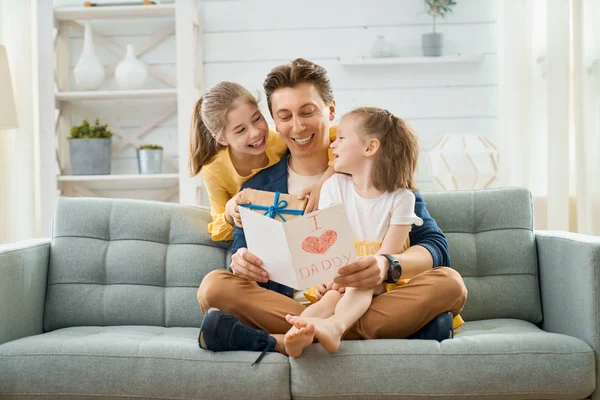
[
  {"x": 242, "y": 40},
  {"x": 245, "y": 39},
  {"x": 342, "y": 42},
  {"x": 227, "y": 16}
]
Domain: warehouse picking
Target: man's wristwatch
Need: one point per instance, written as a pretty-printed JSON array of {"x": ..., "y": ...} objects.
[{"x": 394, "y": 270}]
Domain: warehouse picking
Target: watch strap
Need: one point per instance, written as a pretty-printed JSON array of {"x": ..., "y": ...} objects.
[{"x": 394, "y": 265}]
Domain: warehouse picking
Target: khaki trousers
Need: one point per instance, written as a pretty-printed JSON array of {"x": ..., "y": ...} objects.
[{"x": 392, "y": 315}]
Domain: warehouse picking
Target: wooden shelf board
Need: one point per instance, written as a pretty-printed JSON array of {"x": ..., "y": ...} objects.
[
  {"x": 410, "y": 60},
  {"x": 121, "y": 181},
  {"x": 114, "y": 12},
  {"x": 116, "y": 94},
  {"x": 117, "y": 177}
]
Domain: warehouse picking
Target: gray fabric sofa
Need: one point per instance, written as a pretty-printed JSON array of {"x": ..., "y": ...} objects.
[{"x": 107, "y": 309}]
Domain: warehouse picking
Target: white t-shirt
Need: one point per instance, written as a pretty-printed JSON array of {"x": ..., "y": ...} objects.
[
  {"x": 370, "y": 219},
  {"x": 297, "y": 183}
]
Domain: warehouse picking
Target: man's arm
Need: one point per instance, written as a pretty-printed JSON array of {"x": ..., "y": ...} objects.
[
  {"x": 427, "y": 238},
  {"x": 428, "y": 248},
  {"x": 239, "y": 240}
]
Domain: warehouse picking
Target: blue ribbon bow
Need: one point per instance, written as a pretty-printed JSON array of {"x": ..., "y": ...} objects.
[{"x": 278, "y": 208}]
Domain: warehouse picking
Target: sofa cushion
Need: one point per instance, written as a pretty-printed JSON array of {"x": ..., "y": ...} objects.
[
  {"x": 128, "y": 262},
  {"x": 135, "y": 361},
  {"x": 492, "y": 245},
  {"x": 501, "y": 358}
]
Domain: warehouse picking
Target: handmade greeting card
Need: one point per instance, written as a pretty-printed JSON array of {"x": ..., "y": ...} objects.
[{"x": 302, "y": 252}]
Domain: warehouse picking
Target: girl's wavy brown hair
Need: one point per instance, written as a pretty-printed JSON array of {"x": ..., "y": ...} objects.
[
  {"x": 209, "y": 118},
  {"x": 398, "y": 155}
]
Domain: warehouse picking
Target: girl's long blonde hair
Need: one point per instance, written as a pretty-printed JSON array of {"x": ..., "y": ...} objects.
[
  {"x": 398, "y": 156},
  {"x": 209, "y": 120}
]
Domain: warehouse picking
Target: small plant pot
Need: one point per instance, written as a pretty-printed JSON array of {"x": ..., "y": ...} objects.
[
  {"x": 149, "y": 161},
  {"x": 433, "y": 44},
  {"x": 90, "y": 156}
]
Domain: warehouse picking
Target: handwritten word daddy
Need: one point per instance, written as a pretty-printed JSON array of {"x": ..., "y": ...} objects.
[{"x": 324, "y": 265}]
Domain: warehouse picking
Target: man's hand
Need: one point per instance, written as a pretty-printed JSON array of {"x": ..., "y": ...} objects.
[
  {"x": 246, "y": 265},
  {"x": 232, "y": 211},
  {"x": 324, "y": 288},
  {"x": 365, "y": 273}
]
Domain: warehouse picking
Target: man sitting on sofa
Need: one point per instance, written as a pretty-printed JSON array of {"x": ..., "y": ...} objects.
[{"x": 247, "y": 311}]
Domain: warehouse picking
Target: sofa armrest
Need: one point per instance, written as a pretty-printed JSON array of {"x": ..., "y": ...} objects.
[
  {"x": 569, "y": 266},
  {"x": 23, "y": 278}
]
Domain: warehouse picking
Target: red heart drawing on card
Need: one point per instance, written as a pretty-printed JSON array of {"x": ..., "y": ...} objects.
[{"x": 319, "y": 245}]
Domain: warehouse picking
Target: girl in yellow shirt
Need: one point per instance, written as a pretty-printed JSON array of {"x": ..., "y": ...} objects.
[{"x": 230, "y": 142}]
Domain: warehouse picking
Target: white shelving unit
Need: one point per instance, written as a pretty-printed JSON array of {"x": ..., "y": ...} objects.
[
  {"x": 410, "y": 60},
  {"x": 58, "y": 100}
]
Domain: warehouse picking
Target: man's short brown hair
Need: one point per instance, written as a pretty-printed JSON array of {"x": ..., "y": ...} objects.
[{"x": 294, "y": 73}]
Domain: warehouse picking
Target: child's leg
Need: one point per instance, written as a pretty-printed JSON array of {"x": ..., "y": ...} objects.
[
  {"x": 349, "y": 309},
  {"x": 302, "y": 334},
  {"x": 324, "y": 308}
]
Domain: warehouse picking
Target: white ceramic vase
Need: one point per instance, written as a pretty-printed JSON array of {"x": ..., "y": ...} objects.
[
  {"x": 131, "y": 73},
  {"x": 382, "y": 48},
  {"x": 89, "y": 71}
]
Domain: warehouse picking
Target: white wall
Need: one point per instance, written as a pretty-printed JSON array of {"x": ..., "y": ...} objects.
[
  {"x": 17, "y": 169},
  {"x": 244, "y": 39}
]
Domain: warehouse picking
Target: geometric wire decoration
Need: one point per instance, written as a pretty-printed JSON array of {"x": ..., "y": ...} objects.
[{"x": 463, "y": 162}]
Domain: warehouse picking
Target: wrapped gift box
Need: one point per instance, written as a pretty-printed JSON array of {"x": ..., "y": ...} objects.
[{"x": 280, "y": 206}]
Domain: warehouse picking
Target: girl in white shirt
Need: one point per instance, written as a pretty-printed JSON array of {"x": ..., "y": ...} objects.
[{"x": 376, "y": 155}]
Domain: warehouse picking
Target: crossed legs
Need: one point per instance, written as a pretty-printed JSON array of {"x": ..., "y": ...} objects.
[{"x": 393, "y": 315}]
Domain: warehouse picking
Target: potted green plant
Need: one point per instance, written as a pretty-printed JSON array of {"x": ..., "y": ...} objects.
[
  {"x": 90, "y": 149},
  {"x": 149, "y": 158},
  {"x": 433, "y": 43}
]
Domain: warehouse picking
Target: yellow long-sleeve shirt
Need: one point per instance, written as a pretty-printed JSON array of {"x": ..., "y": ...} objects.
[{"x": 222, "y": 182}]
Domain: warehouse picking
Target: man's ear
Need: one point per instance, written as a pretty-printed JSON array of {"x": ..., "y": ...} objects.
[
  {"x": 372, "y": 147},
  {"x": 332, "y": 110}
]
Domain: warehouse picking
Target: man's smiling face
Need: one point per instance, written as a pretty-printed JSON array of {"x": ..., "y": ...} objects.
[{"x": 302, "y": 118}]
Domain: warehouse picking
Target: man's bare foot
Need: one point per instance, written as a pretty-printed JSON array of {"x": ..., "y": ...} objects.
[
  {"x": 298, "y": 337},
  {"x": 327, "y": 331}
]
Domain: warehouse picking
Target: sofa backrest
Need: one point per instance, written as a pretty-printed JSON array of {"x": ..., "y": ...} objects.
[
  {"x": 492, "y": 245},
  {"x": 128, "y": 262},
  {"x": 134, "y": 262}
]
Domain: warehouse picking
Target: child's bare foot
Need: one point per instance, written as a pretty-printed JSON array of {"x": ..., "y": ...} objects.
[
  {"x": 327, "y": 332},
  {"x": 298, "y": 337},
  {"x": 292, "y": 319}
]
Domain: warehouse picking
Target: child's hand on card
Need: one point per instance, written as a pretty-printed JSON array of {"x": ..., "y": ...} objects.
[{"x": 312, "y": 193}]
